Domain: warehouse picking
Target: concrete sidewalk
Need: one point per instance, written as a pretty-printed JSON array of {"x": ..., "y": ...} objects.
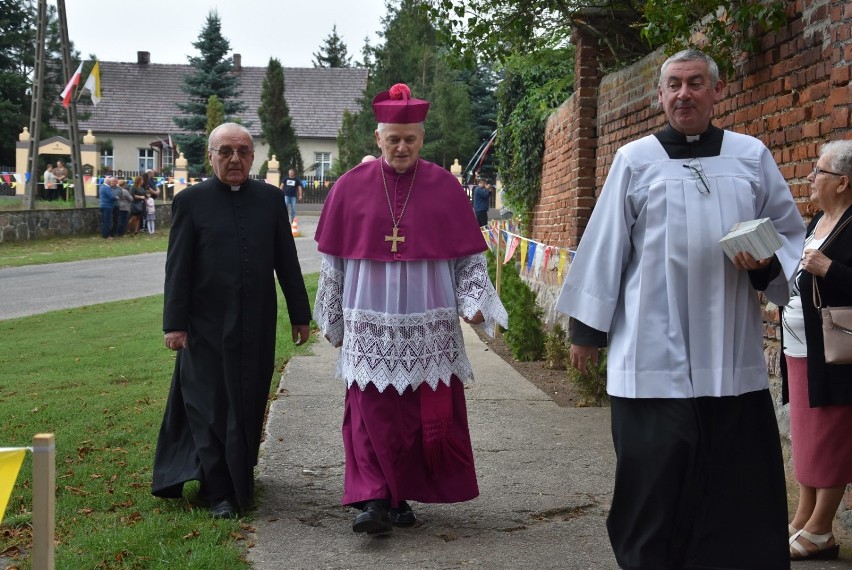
[{"x": 544, "y": 474}]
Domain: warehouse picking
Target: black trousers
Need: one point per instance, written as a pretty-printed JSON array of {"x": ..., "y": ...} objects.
[
  {"x": 481, "y": 217},
  {"x": 699, "y": 484}
]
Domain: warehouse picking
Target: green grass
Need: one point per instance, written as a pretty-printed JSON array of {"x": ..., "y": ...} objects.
[
  {"x": 76, "y": 248},
  {"x": 98, "y": 378}
]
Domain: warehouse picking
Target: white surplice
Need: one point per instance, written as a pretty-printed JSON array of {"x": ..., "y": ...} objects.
[
  {"x": 682, "y": 321},
  {"x": 397, "y": 323}
]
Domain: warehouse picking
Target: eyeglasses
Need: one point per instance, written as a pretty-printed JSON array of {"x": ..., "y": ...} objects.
[
  {"x": 228, "y": 152},
  {"x": 818, "y": 171},
  {"x": 695, "y": 167}
]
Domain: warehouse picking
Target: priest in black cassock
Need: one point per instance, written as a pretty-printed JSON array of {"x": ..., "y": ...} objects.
[{"x": 228, "y": 235}]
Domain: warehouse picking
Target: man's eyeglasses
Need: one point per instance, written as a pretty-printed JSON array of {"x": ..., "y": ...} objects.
[
  {"x": 695, "y": 167},
  {"x": 228, "y": 152},
  {"x": 818, "y": 171}
]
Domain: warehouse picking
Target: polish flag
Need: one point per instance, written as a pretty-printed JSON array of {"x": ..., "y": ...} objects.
[{"x": 69, "y": 89}]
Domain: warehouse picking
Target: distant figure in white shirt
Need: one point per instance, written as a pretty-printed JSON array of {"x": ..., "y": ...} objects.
[{"x": 699, "y": 479}]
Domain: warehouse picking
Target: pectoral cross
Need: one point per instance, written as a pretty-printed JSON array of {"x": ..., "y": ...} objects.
[{"x": 394, "y": 238}]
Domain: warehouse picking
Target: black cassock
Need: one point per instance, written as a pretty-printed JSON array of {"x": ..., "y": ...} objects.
[{"x": 223, "y": 248}]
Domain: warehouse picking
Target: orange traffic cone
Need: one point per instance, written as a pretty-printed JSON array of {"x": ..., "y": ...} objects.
[{"x": 294, "y": 227}]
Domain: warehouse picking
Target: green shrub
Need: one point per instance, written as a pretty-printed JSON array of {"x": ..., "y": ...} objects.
[
  {"x": 592, "y": 383},
  {"x": 556, "y": 348}
]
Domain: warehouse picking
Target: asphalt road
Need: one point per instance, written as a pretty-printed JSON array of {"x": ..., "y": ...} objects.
[{"x": 35, "y": 289}]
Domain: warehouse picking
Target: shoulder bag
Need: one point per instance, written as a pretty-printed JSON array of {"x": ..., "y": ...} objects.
[{"x": 836, "y": 321}]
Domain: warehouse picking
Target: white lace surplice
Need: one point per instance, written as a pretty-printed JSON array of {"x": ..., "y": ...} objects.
[{"x": 397, "y": 323}]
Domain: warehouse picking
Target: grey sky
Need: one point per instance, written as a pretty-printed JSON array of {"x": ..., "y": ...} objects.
[{"x": 256, "y": 29}]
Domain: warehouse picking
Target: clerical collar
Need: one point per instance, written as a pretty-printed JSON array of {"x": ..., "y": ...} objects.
[
  {"x": 391, "y": 170},
  {"x": 678, "y": 145},
  {"x": 235, "y": 188}
]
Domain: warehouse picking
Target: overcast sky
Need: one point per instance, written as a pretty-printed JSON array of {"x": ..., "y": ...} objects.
[{"x": 290, "y": 30}]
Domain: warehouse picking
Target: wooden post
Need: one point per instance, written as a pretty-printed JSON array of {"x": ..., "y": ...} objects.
[
  {"x": 44, "y": 500},
  {"x": 499, "y": 266}
]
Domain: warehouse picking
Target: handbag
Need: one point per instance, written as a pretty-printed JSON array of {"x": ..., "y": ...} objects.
[
  {"x": 137, "y": 207},
  {"x": 836, "y": 321}
]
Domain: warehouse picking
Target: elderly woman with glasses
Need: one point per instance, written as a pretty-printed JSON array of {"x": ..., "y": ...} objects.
[{"x": 820, "y": 394}]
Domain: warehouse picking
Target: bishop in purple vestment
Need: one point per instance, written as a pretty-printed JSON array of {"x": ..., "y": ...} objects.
[{"x": 402, "y": 264}]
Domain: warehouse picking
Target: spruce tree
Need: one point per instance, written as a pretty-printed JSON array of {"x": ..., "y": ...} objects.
[
  {"x": 215, "y": 117},
  {"x": 333, "y": 53},
  {"x": 276, "y": 125},
  {"x": 212, "y": 76}
]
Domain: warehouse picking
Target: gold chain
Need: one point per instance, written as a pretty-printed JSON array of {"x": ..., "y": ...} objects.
[{"x": 387, "y": 194}]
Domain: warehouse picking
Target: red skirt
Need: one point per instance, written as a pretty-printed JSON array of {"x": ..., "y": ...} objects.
[
  {"x": 822, "y": 448},
  {"x": 383, "y": 443}
]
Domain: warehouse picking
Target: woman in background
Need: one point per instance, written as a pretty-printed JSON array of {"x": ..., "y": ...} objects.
[{"x": 820, "y": 394}]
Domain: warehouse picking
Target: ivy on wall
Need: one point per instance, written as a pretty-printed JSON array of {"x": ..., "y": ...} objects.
[{"x": 533, "y": 86}]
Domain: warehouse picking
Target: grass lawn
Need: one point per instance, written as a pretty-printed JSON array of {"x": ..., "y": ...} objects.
[
  {"x": 98, "y": 378},
  {"x": 76, "y": 248}
]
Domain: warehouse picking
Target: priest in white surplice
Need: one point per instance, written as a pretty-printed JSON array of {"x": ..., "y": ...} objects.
[{"x": 699, "y": 478}]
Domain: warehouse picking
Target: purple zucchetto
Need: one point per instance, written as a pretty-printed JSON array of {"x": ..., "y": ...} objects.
[{"x": 397, "y": 106}]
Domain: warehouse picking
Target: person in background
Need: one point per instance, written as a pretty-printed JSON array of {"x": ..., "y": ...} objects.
[
  {"x": 699, "y": 477},
  {"x": 151, "y": 214},
  {"x": 391, "y": 293},
  {"x": 124, "y": 201},
  {"x": 61, "y": 178},
  {"x": 292, "y": 188},
  {"x": 149, "y": 182},
  {"x": 229, "y": 238},
  {"x": 819, "y": 393},
  {"x": 107, "y": 201},
  {"x": 481, "y": 199},
  {"x": 49, "y": 183},
  {"x": 138, "y": 209}
]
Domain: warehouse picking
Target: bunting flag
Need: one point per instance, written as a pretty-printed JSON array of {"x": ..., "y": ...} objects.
[
  {"x": 531, "y": 247},
  {"x": 171, "y": 144},
  {"x": 69, "y": 89},
  {"x": 563, "y": 259},
  {"x": 10, "y": 464},
  {"x": 510, "y": 250},
  {"x": 93, "y": 84},
  {"x": 525, "y": 244}
]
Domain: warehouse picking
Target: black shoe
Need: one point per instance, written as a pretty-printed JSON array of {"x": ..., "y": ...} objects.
[
  {"x": 223, "y": 509},
  {"x": 374, "y": 518},
  {"x": 402, "y": 516}
]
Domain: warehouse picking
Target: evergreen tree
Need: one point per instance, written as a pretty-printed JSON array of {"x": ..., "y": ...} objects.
[
  {"x": 18, "y": 28},
  {"x": 215, "y": 117},
  {"x": 275, "y": 122},
  {"x": 413, "y": 55},
  {"x": 212, "y": 76},
  {"x": 333, "y": 53}
]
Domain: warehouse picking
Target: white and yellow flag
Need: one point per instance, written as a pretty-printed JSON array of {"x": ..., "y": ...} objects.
[
  {"x": 10, "y": 463},
  {"x": 93, "y": 83}
]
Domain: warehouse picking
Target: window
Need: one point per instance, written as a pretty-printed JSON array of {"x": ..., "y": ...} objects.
[
  {"x": 323, "y": 164},
  {"x": 167, "y": 156},
  {"x": 107, "y": 161},
  {"x": 146, "y": 159}
]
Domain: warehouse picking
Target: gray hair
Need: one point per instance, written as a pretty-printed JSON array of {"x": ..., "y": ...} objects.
[
  {"x": 228, "y": 127},
  {"x": 839, "y": 155},
  {"x": 691, "y": 54},
  {"x": 382, "y": 126}
]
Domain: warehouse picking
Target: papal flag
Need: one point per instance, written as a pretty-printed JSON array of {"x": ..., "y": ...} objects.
[
  {"x": 10, "y": 463},
  {"x": 93, "y": 84}
]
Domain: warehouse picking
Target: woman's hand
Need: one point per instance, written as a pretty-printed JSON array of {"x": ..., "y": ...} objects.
[{"x": 815, "y": 262}]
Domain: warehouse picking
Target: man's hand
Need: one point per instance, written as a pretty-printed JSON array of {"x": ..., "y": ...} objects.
[
  {"x": 301, "y": 334},
  {"x": 744, "y": 260},
  {"x": 476, "y": 319},
  {"x": 175, "y": 340},
  {"x": 583, "y": 356}
]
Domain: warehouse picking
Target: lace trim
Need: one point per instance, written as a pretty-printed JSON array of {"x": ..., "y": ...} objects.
[
  {"x": 402, "y": 350},
  {"x": 475, "y": 292},
  {"x": 328, "y": 312}
]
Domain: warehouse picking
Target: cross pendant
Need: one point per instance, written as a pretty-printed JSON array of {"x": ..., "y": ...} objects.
[{"x": 394, "y": 238}]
